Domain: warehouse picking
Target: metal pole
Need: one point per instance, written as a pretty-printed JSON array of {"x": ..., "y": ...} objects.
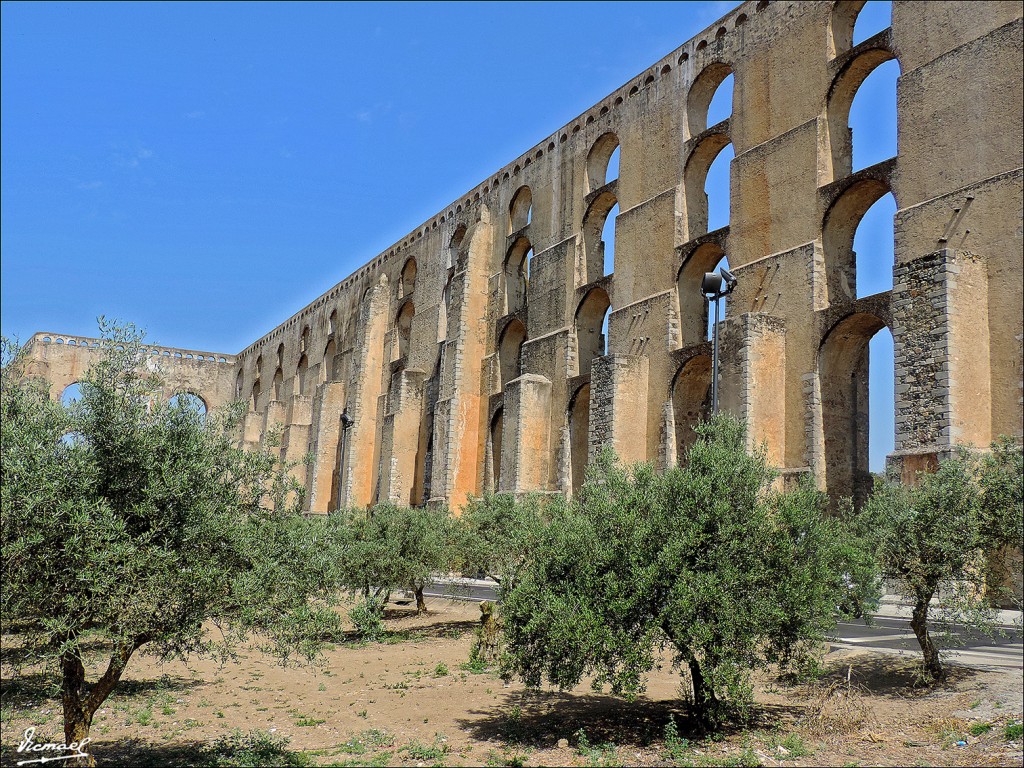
[{"x": 714, "y": 361}]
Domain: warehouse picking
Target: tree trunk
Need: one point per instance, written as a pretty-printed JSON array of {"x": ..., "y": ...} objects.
[
  {"x": 487, "y": 649},
  {"x": 77, "y": 718},
  {"x": 703, "y": 695},
  {"x": 421, "y": 603},
  {"x": 81, "y": 700},
  {"x": 919, "y": 623}
]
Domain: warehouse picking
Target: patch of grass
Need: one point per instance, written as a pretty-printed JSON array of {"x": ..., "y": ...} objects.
[
  {"x": 602, "y": 756},
  {"x": 255, "y": 749},
  {"x": 144, "y": 715},
  {"x": 305, "y": 721},
  {"x": 401, "y": 685},
  {"x": 792, "y": 747},
  {"x": 417, "y": 750},
  {"x": 321, "y": 687},
  {"x": 475, "y": 665},
  {"x": 497, "y": 759},
  {"x": 676, "y": 747},
  {"x": 379, "y": 760},
  {"x": 1014, "y": 732},
  {"x": 441, "y": 670},
  {"x": 362, "y": 713},
  {"x": 977, "y": 729}
]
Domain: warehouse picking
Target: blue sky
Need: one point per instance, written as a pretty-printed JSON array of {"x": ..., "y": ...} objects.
[{"x": 207, "y": 169}]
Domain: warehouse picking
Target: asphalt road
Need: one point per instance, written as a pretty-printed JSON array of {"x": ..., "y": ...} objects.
[{"x": 887, "y": 633}]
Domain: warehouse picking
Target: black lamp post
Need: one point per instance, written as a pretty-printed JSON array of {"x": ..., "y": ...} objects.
[
  {"x": 715, "y": 286},
  {"x": 346, "y": 422}
]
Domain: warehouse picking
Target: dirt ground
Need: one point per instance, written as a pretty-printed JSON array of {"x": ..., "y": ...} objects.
[{"x": 414, "y": 700}]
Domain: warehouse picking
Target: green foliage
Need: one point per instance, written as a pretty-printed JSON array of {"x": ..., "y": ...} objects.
[
  {"x": 708, "y": 559},
  {"x": 937, "y": 534},
  {"x": 149, "y": 527},
  {"x": 498, "y": 535},
  {"x": 1014, "y": 731},
  {"x": 390, "y": 547},
  {"x": 676, "y": 747},
  {"x": 977, "y": 729},
  {"x": 441, "y": 670},
  {"x": 255, "y": 749},
  {"x": 366, "y": 618},
  {"x": 416, "y": 750}
]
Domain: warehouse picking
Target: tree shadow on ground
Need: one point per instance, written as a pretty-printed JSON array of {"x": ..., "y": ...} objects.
[
  {"x": 539, "y": 719},
  {"x": 888, "y": 676}
]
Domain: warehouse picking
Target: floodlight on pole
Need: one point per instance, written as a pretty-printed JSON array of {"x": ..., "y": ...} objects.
[
  {"x": 346, "y": 423},
  {"x": 714, "y": 287}
]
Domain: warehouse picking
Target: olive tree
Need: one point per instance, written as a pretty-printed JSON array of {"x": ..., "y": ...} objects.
[
  {"x": 132, "y": 525},
  {"x": 391, "y": 547},
  {"x": 932, "y": 539},
  {"x": 708, "y": 560}
]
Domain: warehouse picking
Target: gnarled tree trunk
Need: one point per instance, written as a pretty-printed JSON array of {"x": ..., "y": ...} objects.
[
  {"x": 919, "y": 623},
  {"x": 490, "y": 629},
  {"x": 81, "y": 700}
]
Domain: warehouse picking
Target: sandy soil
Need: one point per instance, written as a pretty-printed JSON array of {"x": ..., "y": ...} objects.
[{"x": 414, "y": 702}]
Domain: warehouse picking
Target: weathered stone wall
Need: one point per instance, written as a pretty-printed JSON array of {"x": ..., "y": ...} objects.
[{"x": 423, "y": 345}]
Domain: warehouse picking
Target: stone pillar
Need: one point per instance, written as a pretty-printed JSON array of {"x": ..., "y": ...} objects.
[
  {"x": 921, "y": 347},
  {"x": 400, "y": 436},
  {"x": 295, "y": 440},
  {"x": 618, "y": 407},
  {"x": 526, "y": 445},
  {"x": 752, "y": 378},
  {"x": 326, "y": 433}
]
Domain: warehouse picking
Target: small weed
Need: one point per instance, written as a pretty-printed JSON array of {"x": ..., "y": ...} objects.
[
  {"x": 441, "y": 670},
  {"x": 790, "y": 748},
  {"x": 144, "y": 716},
  {"x": 418, "y": 751},
  {"x": 475, "y": 665},
  {"x": 219, "y": 713},
  {"x": 603, "y": 756},
  {"x": 401, "y": 685},
  {"x": 321, "y": 687},
  {"x": 253, "y": 750},
  {"x": 362, "y": 713},
  {"x": 376, "y": 737},
  {"x": 676, "y": 747},
  {"x": 307, "y": 722},
  {"x": 977, "y": 729},
  {"x": 1014, "y": 732}
]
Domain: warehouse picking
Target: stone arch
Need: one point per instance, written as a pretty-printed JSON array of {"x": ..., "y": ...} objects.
[
  {"x": 594, "y": 245},
  {"x": 691, "y": 401},
  {"x": 598, "y": 161},
  {"x": 844, "y": 27},
  {"x": 843, "y": 377},
  {"x": 190, "y": 400},
  {"x": 403, "y": 324},
  {"x": 837, "y": 234},
  {"x": 520, "y": 210},
  {"x": 517, "y": 274},
  {"x": 304, "y": 339},
  {"x": 71, "y": 393},
  {"x": 590, "y": 328},
  {"x": 239, "y": 383},
  {"x": 278, "y": 384},
  {"x": 332, "y": 323},
  {"x": 510, "y": 348},
  {"x": 302, "y": 379},
  {"x": 327, "y": 372},
  {"x": 701, "y": 93},
  {"x": 693, "y": 307},
  {"x": 407, "y": 283},
  {"x": 838, "y": 144},
  {"x": 578, "y": 415},
  {"x": 695, "y": 176},
  {"x": 255, "y": 395}
]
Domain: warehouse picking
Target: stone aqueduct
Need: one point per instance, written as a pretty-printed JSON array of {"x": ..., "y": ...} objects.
[{"x": 472, "y": 355}]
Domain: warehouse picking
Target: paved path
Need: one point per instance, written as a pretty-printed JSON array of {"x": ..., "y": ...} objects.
[{"x": 889, "y": 632}]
